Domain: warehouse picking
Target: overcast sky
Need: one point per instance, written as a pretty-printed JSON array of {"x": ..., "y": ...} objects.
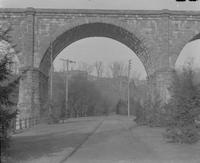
[
  {"x": 104, "y": 4},
  {"x": 104, "y": 49}
]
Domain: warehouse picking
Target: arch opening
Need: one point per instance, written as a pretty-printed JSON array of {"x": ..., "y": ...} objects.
[
  {"x": 92, "y": 30},
  {"x": 96, "y": 30},
  {"x": 189, "y": 58},
  {"x": 111, "y": 83},
  {"x": 86, "y": 52}
]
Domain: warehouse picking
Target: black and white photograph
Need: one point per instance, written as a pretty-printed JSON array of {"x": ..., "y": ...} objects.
[{"x": 100, "y": 81}]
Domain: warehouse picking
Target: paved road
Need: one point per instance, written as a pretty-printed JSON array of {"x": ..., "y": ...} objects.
[
  {"x": 114, "y": 139},
  {"x": 119, "y": 140},
  {"x": 113, "y": 142},
  {"x": 51, "y": 143}
]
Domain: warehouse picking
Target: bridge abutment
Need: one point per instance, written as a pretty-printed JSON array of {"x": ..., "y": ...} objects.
[{"x": 33, "y": 90}]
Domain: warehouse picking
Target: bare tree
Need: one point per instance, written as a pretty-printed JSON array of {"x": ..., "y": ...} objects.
[
  {"x": 99, "y": 67},
  {"x": 118, "y": 69},
  {"x": 86, "y": 67},
  {"x": 107, "y": 73}
]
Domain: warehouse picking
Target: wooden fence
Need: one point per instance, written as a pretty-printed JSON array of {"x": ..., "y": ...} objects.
[
  {"x": 25, "y": 123},
  {"x": 20, "y": 124}
]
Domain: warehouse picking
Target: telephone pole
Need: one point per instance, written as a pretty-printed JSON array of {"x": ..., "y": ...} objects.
[
  {"x": 51, "y": 72},
  {"x": 66, "y": 63},
  {"x": 129, "y": 70},
  {"x": 51, "y": 82}
]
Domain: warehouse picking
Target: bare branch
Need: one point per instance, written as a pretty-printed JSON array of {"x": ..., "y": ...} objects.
[{"x": 99, "y": 67}]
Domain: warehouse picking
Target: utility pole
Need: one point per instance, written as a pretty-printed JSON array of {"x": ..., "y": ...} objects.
[
  {"x": 66, "y": 62},
  {"x": 120, "y": 87},
  {"x": 129, "y": 70},
  {"x": 51, "y": 81},
  {"x": 51, "y": 73}
]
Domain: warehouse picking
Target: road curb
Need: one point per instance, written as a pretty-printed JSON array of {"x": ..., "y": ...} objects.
[{"x": 79, "y": 146}]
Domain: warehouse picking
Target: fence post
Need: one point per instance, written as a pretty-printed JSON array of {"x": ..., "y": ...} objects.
[
  {"x": 36, "y": 120},
  {"x": 17, "y": 127},
  {"x": 29, "y": 122},
  {"x": 25, "y": 123},
  {"x": 20, "y": 124},
  {"x": 32, "y": 122},
  {"x": 14, "y": 125}
]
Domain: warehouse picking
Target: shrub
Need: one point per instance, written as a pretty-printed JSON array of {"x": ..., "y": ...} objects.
[
  {"x": 84, "y": 97},
  {"x": 151, "y": 113},
  {"x": 183, "y": 109},
  {"x": 121, "y": 107},
  {"x": 6, "y": 112},
  {"x": 140, "y": 114},
  {"x": 186, "y": 134},
  {"x": 6, "y": 89}
]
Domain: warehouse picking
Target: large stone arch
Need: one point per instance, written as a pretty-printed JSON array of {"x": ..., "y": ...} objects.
[
  {"x": 97, "y": 29},
  {"x": 118, "y": 33}
]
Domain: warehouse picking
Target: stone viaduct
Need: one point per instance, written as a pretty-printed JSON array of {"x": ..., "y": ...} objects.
[{"x": 156, "y": 37}]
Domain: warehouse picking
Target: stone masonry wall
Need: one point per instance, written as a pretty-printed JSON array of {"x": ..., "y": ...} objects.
[{"x": 157, "y": 38}]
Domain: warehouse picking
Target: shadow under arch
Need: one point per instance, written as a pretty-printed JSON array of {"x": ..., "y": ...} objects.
[
  {"x": 96, "y": 30},
  {"x": 196, "y": 37}
]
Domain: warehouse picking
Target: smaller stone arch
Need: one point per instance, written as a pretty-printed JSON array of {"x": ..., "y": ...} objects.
[
  {"x": 180, "y": 45},
  {"x": 186, "y": 59}
]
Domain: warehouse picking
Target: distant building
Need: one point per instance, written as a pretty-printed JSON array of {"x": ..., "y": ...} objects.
[{"x": 71, "y": 74}]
